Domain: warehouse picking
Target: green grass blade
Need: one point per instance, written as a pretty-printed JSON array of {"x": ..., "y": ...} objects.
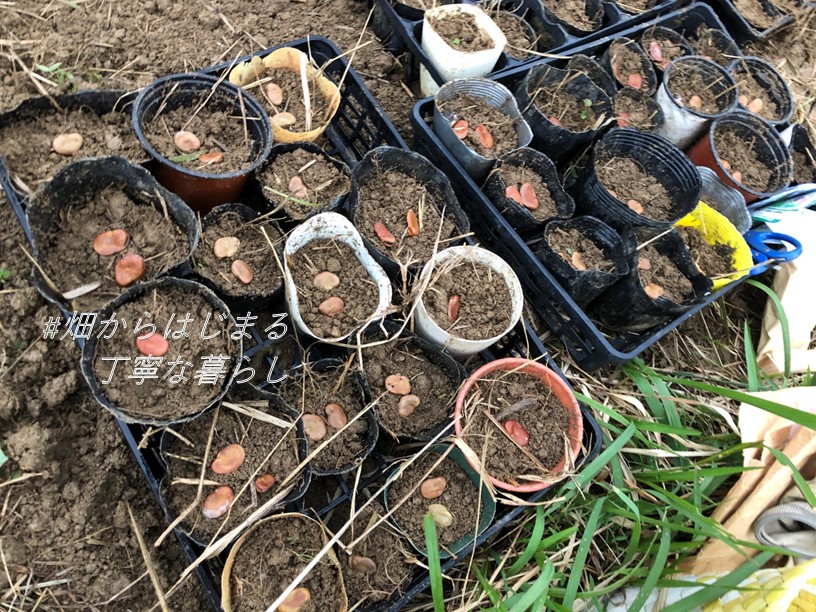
[
  {"x": 492, "y": 594},
  {"x": 800, "y": 481},
  {"x": 434, "y": 567},
  {"x": 658, "y": 563},
  {"x": 581, "y": 554},
  {"x": 783, "y": 322},
  {"x": 537, "y": 591},
  {"x": 750, "y": 361},
  {"x": 532, "y": 545}
]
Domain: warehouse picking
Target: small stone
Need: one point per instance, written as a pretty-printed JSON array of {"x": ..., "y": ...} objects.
[
  {"x": 295, "y": 600},
  {"x": 635, "y": 206},
  {"x": 485, "y": 137},
  {"x": 264, "y": 483},
  {"x": 383, "y": 233},
  {"x": 228, "y": 459},
  {"x": 513, "y": 193},
  {"x": 653, "y": 291},
  {"x": 241, "y": 270},
  {"x": 331, "y": 307},
  {"x": 362, "y": 565},
  {"x": 111, "y": 242},
  {"x": 755, "y": 106},
  {"x": 335, "y": 416},
  {"x": 218, "y": 502},
  {"x": 407, "y": 405},
  {"x": 283, "y": 119},
  {"x": 696, "y": 102},
  {"x": 517, "y": 432},
  {"x": 154, "y": 344},
  {"x": 441, "y": 515},
  {"x": 461, "y": 129},
  {"x": 326, "y": 281},
  {"x": 226, "y": 246},
  {"x": 398, "y": 384},
  {"x": 635, "y": 80},
  {"x": 644, "y": 264},
  {"x": 577, "y": 260},
  {"x": 186, "y": 142},
  {"x": 454, "y": 304},
  {"x": 213, "y": 157},
  {"x": 129, "y": 269},
  {"x": 433, "y": 487},
  {"x": 67, "y": 144},
  {"x": 314, "y": 426},
  {"x": 413, "y": 223},
  {"x": 528, "y": 196},
  {"x": 274, "y": 93}
]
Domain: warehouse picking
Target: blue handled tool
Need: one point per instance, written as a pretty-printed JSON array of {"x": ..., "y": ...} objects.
[{"x": 771, "y": 247}]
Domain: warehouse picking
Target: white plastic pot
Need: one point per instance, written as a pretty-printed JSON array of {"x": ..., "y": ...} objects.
[
  {"x": 450, "y": 62},
  {"x": 332, "y": 226},
  {"x": 461, "y": 348}
]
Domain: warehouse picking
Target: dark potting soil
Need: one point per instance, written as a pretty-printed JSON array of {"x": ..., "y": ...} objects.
[
  {"x": 461, "y": 498},
  {"x": 435, "y": 389},
  {"x": 575, "y": 13},
  {"x": 515, "y": 396},
  {"x": 804, "y": 166},
  {"x": 26, "y": 144},
  {"x": 484, "y": 299},
  {"x": 461, "y": 32},
  {"x": 218, "y": 131},
  {"x": 625, "y": 61},
  {"x": 754, "y": 13},
  {"x": 748, "y": 86},
  {"x": 742, "y": 158},
  {"x": 669, "y": 50},
  {"x": 478, "y": 112},
  {"x": 519, "y": 43},
  {"x": 386, "y": 197},
  {"x": 254, "y": 250},
  {"x": 711, "y": 260},
  {"x": 655, "y": 268},
  {"x": 159, "y": 397},
  {"x": 564, "y": 109},
  {"x": 383, "y": 545},
  {"x": 626, "y": 180},
  {"x": 272, "y": 555},
  {"x": 293, "y": 101},
  {"x": 323, "y": 181},
  {"x": 310, "y": 394},
  {"x": 633, "y": 113},
  {"x": 70, "y": 261},
  {"x": 258, "y": 440},
  {"x": 706, "y": 45},
  {"x": 578, "y": 250},
  {"x": 513, "y": 174},
  {"x": 357, "y": 289},
  {"x": 687, "y": 81}
]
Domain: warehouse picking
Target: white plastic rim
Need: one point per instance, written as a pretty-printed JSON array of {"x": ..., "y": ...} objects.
[
  {"x": 332, "y": 226},
  {"x": 461, "y": 348},
  {"x": 451, "y": 63}
]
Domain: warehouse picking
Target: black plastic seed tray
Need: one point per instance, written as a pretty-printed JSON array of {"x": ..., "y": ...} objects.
[
  {"x": 742, "y": 29},
  {"x": 400, "y": 26}
]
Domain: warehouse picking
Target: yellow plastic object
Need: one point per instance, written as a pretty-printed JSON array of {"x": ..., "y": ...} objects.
[
  {"x": 790, "y": 589},
  {"x": 717, "y": 229},
  {"x": 251, "y": 75}
]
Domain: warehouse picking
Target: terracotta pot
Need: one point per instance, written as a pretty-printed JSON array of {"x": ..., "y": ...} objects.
[{"x": 553, "y": 381}]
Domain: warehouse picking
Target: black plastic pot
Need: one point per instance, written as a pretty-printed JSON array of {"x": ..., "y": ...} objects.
[
  {"x": 666, "y": 34},
  {"x": 771, "y": 81},
  {"x": 594, "y": 11},
  {"x": 647, "y": 71},
  {"x": 644, "y": 99},
  {"x": 89, "y": 350},
  {"x": 202, "y": 190},
  {"x": 626, "y": 307},
  {"x": 245, "y": 301},
  {"x": 597, "y": 73},
  {"x": 801, "y": 143},
  {"x": 725, "y": 47},
  {"x": 522, "y": 218},
  {"x": 555, "y": 141},
  {"x": 370, "y": 418},
  {"x": 585, "y": 285},
  {"x": 77, "y": 183},
  {"x": 656, "y": 156},
  {"x": 744, "y": 31},
  {"x": 275, "y": 202},
  {"x": 413, "y": 164}
]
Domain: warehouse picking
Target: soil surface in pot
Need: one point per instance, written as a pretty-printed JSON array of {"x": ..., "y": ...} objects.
[
  {"x": 634, "y": 6},
  {"x": 310, "y": 394},
  {"x": 661, "y": 49},
  {"x": 627, "y": 181},
  {"x": 356, "y": 289},
  {"x": 272, "y": 555},
  {"x": 27, "y": 144},
  {"x": 218, "y": 132},
  {"x": 461, "y": 497},
  {"x": 490, "y": 132},
  {"x": 387, "y": 197},
  {"x": 435, "y": 388},
  {"x": 517, "y": 175},
  {"x": 514, "y": 396},
  {"x": 484, "y": 301},
  {"x": 69, "y": 259},
  {"x": 633, "y": 112},
  {"x": 324, "y": 182},
  {"x": 563, "y": 108},
  {"x": 576, "y": 14},
  {"x": 685, "y": 82},
  {"x": 804, "y": 166},
  {"x": 257, "y": 438},
  {"x": 461, "y": 32},
  {"x": 742, "y": 157},
  {"x": 254, "y": 250},
  {"x": 661, "y": 278},
  {"x": 293, "y": 100},
  {"x": 628, "y": 67},
  {"x": 519, "y": 42},
  {"x": 161, "y": 397},
  {"x": 707, "y": 44},
  {"x": 748, "y": 86},
  {"x": 578, "y": 250},
  {"x": 754, "y": 14},
  {"x": 711, "y": 260},
  {"x": 383, "y": 545}
]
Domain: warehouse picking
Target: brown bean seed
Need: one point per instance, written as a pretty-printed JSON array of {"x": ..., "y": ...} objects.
[
  {"x": 67, "y": 144},
  {"x": 283, "y": 120},
  {"x": 461, "y": 129},
  {"x": 695, "y": 102},
  {"x": 218, "y": 503},
  {"x": 335, "y": 416},
  {"x": 513, "y": 193},
  {"x": 577, "y": 260},
  {"x": 635, "y": 80},
  {"x": 129, "y": 269},
  {"x": 737, "y": 176},
  {"x": 413, "y": 223},
  {"x": 517, "y": 432},
  {"x": 755, "y": 106},
  {"x": 385, "y": 236},
  {"x": 213, "y": 157},
  {"x": 407, "y": 405},
  {"x": 653, "y": 291},
  {"x": 554, "y": 121},
  {"x": 314, "y": 426},
  {"x": 485, "y": 137},
  {"x": 331, "y": 307},
  {"x": 295, "y": 600},
  {"x": 362, "y": 565},
  {"x": 265, "y": 482},
  {"x": 111, "y": 242},
  {"x": 433, "y": 487},
  {"x": 725, "y": 164},
  {"x": 644, "y": 264},
  {"x": 528, "y": 196},
  {"x": 441, "y": 515},
  {"x": 154, "y": 344},
  {"x": 228, "y": 459},
  {"x": 241, "y": 270},
  {"x": 454, "y": 304},
  {"x": 655, "y": 52},
  {"x": 274, "y": 93},
  {"x": 326, "y": 281},
  {"x": 635, "y": 206},
  {"x": 743, "y": 99},
  {"x": 186, "y": 142},
  {"x": 226, "y": 246},
  {"x": 398, "y": 384}
]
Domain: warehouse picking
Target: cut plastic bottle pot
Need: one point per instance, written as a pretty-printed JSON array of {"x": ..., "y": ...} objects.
[{"x": 724, "y": 199}]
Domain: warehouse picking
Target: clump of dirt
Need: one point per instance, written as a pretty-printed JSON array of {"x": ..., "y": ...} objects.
[
  {"x": 752, "y": 89},
  {"x": 578, "y": 250},
  {"x": 461, "y": 32},
  {"x": 686, "y": 81},
  {"x": 254, "y": 250},
  {"x": 742, "y": 157},
  {"x": 27, "y": 143},
  {"x": 519, "y": 41},
  {"x": 489, "y": 131},
  {"x": 563, "y": 108},
  {"x": 273, "y": 554},
  {"x": 754, "y": 13},
  {"x": 483, "y": 297},
  {"x": 148, "y": 388},
  {"x": 460, "y": 497},
  {"x": 293, "y": 100},
  {"x": 324, "y": 182},
  {"x": 576, "y": 13},
  {"x": 711, "y": 260},
  {"x": 661, "y": 278},
  {"x": 386, "y": 197},
  {"x": 634, "y": 111},
  {"x": 517, "y": 175},
  {"x": 514, "y": 396},
  {"x": 627, "y": 181},
  {"x": 356, "y": 289}
]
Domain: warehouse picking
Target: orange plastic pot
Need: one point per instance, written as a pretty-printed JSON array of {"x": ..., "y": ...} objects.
[{"x": 562, "y": 392}]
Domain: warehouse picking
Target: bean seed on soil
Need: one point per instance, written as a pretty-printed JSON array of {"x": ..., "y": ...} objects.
[
  {"x": 213, "y": 157},
  {"x": 408, "y": 404},
  {"x": 413, "y": 223},
  {"x": 433, "y": 487},
  {"x": 226, "y": 246},
  {"x": 335, "y": 416},
  {"x": 644, "y": 264},
  {"x": 326, "y": 281},
  {"x": 186, "y": 142},
  {"x": 362, "y": 565},
  {"x": 454, "y": 304},
  {"x": 652, "y": 290},
  {"x": 129, "y": 269},
  {"x": 155, "y": 345},
  {"x": 218, "y": 503},
  {"x": 284, "y": 119},
  {"x": 461, "y": 128},
  {"x": 485, "y": 137},
  {"x": 110, "y": 242},
  {"x": 242, "y": 271},
  {"x": 295, "y": 601},
  {"x": 513, "y": 193},
  {"x": 314, "y": 426},
  {"x": 528, "y": 196},
  {"x": 274, "y": 93},
  {"x": 635, "y": 206},
  {"x": 297, "y": 187},
  {"x": 228, "y": 459},
  {"x": 264, "y": 483},
  {"x": 67, "y": 144},
  {"x": 441, "y": 515},
  {"x": 743, "y": 99},
  {"x": 755, "y": 106},
  {"x": 398, "y": 384},
  {"x": 383, "y": 233},
  {"x": 696, "y": 102},
  {"x": 517, "y": 432},
  {"x": 655, "y": 52},
  {"x": 635, "y": 80},
  {"x": 331, "y": 307},
  {"x": 577, "y": 260}
]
